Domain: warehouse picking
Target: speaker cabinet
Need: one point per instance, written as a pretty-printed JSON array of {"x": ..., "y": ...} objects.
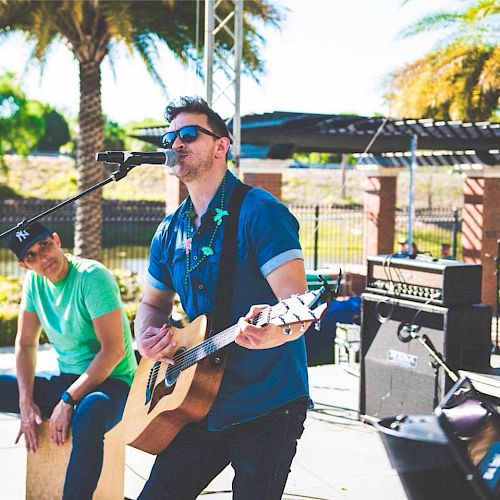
[{"x": 397, "y": 372}]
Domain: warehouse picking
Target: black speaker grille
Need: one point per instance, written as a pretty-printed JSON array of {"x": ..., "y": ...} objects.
[{"x": 398, "y": 375}]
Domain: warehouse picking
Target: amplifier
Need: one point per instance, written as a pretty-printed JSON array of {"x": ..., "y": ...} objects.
[
  {"x": 397, "y": 375},
  {"x": 439, "y": 282}
]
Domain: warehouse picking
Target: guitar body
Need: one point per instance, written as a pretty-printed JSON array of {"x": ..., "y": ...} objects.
[{"x": 156, "y": 411}]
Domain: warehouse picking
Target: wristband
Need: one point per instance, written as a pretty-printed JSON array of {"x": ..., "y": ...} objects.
[{"x": 68, "y": 399}]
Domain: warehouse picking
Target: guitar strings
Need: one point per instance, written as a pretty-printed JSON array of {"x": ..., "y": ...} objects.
[
  {"x": 208, "y": 346},
  {"x": 205, "y": 348},
  {"x": 188, "y": 358},
  {"x": 185, "y": 360}
]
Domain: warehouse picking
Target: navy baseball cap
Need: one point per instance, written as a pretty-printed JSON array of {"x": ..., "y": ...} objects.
[{"x": 23, "y": 239}]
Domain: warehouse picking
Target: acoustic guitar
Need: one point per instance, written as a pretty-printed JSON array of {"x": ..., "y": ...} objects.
[{"x": 164, "y": 397}]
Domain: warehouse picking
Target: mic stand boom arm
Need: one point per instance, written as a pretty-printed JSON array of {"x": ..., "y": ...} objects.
[
  {"x": 123, "y": 169},
  {"x": 436, "y": 357}
]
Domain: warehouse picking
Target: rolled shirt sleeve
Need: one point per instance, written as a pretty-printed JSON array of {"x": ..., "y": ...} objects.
[
  {"x": 274, "y": 232},
  {"x": 158, "y": 275}
]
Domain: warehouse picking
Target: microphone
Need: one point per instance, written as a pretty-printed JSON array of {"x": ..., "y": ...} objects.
[{"x": 133, "y": 158}]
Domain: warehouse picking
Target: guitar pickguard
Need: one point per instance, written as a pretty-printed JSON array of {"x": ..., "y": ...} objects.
[
  {"x": 153, "y": 375},
  {"x": 166, "y": 384},
  {"x": 160, "y": 391}
]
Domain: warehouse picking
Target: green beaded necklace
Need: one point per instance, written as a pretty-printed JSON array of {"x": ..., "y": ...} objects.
[{"x": 206, "y": 250}]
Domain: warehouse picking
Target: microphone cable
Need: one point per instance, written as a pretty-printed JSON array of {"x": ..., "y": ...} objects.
[{"x": 384, "y": 318}]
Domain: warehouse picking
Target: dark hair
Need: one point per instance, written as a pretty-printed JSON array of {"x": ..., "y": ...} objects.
[{"x": 196, "y": 104}]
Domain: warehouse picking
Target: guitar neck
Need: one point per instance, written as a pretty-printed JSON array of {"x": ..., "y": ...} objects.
[
  {"x": 215, "y": 343},
  {"x": 296, "y": 309}
]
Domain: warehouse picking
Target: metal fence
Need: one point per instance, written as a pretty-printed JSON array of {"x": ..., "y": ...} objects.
[
  {"x": 128, "y": 227},
  {"x": 432, "y": 229},
  {"x": 330, "y": 236}
]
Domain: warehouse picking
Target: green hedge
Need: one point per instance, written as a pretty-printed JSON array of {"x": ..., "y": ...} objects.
[
  {"x": 8, "y": 324},
  {"x": 8, "y": 327}
]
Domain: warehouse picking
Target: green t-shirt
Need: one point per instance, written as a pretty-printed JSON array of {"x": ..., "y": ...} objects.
[{"x": 66, "y": 310}]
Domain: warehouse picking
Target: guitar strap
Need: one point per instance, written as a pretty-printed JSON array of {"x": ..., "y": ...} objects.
[{"x": 227, "y": 266}]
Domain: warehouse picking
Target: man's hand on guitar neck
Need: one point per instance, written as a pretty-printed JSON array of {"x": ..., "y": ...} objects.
[
  {"x": 265, "y": 337},
  {"x": 285, "y": 281}
]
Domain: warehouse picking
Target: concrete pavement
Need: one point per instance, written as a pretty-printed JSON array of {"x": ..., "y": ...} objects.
[{"x": 338, "y": 457}]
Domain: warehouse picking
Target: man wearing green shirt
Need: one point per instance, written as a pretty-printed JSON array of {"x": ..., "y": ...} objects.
[{"x": 77, "y": 303}]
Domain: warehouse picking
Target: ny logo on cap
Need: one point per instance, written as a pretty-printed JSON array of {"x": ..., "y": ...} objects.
[{"x": 22, "y": 235}]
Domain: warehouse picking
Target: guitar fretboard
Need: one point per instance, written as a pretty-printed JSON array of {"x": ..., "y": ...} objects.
[
  {"x": 293, "y": 310},
  {"x": 213, "y": 344}
]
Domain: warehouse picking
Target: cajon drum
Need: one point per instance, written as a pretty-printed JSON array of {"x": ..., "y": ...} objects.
[{"x": 46, "y": 469}]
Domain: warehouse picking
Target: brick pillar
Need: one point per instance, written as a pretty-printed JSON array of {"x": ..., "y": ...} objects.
[
  {"x": 176, "y": 193},
  {"x": 379, "y": 205},
  {"x": 481, "y": 226},
  {"x": 269, "y": 181}
]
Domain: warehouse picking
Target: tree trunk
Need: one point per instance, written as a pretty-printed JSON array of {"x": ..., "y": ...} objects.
[{"x": 90, "y": 140}]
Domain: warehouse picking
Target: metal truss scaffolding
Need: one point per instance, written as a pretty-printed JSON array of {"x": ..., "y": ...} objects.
[{"x": 223, "y": 73}]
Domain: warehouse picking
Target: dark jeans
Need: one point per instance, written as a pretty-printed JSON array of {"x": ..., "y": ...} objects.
[
  {"x": 260, "y": 452},
  {"x": 98, "y": 412}
]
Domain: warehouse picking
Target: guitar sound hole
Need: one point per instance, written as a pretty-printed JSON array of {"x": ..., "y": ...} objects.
[{"x": 173, "y": 372}]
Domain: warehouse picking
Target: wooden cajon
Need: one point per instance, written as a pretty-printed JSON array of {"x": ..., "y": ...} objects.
[{"x": 46, "y": 469}]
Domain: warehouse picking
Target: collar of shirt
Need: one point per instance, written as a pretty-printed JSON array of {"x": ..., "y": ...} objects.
[{"x": 215, "y": 202}]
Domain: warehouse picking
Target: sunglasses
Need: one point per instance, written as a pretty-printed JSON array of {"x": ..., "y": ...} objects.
[{"x": 189, "y": 133}]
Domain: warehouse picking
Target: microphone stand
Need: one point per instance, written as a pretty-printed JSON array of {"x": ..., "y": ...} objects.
[
  {"x": 497, "y": 312},
  {"x": 123, "y": 169},
  {"x": 436, "y": 360},
  {"x": 496, "y": 347},
  {"x": 495, "y": 321}
]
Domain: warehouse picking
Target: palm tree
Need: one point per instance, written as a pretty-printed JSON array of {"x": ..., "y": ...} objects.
[
  {"x": 21, "y": 120},
  {"x": 460, "y": 79},
  {"x": 92, "y": 29}
]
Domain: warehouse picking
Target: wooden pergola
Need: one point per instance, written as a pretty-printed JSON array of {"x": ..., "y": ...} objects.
[{"x": 280, "y": 134}]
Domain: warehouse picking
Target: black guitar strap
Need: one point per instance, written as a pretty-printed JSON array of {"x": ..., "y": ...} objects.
[{"x": 227, "y": 266}]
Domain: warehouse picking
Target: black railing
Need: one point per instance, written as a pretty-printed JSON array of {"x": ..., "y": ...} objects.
[
  {"x": 128, "y": 227},
  {"x": 431, "y": 230},
  {"x": 330, "y": 236}
]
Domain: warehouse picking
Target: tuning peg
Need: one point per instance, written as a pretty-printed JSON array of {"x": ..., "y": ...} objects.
[{"x": 287, "y": 329}]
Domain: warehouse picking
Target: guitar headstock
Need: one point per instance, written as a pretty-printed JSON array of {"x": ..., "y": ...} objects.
[
  {"x": 310, "y": 306},
  {"x": 306, "y": 308}
]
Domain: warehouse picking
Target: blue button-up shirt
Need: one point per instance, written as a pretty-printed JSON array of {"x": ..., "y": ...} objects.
[{"x": 255, "y": 381}]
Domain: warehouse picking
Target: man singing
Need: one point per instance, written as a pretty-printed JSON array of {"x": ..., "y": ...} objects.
[{"x": 258, "y": 414}]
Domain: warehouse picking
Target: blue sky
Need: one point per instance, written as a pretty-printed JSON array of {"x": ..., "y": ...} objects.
[{"x": 331, "y": 56}]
